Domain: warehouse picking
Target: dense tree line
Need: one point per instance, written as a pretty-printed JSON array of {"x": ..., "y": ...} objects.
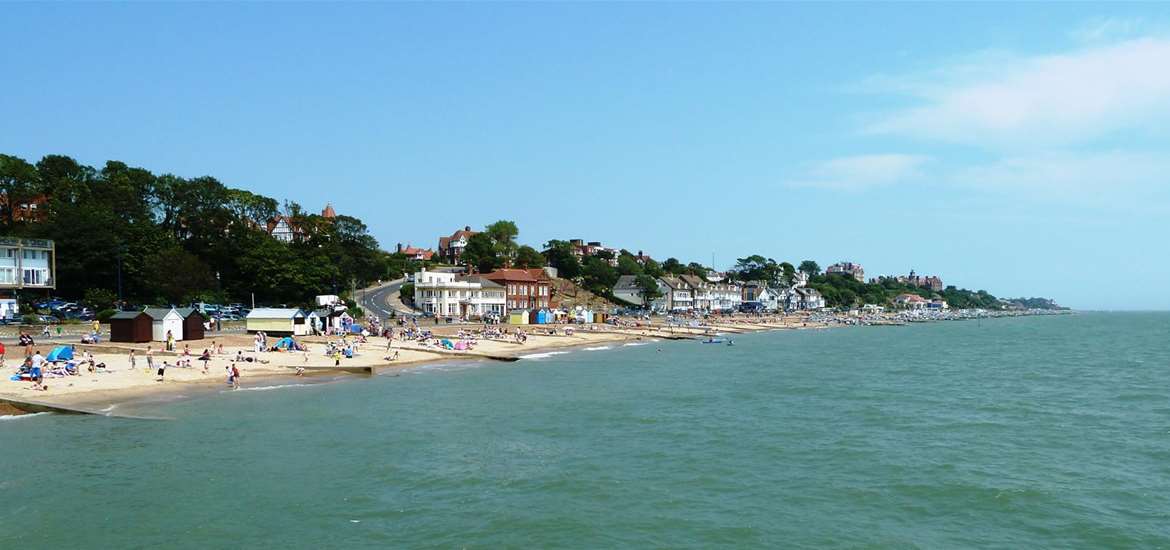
[{"x": 176, "y": 239}]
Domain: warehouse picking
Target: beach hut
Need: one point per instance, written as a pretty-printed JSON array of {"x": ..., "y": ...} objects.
[
  {"x": 543, "y": 317},
  {"x": 130, "y": 326},
  {"x": 164, "y": 320},
  {"x": 518, "y": 317},
  {"x": 275, "y": 320},
  {"x": 598, "y": 317},
  {"x": 193, "y": 323}
]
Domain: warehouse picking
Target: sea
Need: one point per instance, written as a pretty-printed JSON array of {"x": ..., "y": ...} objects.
[{"x": 1034, "y": 432}]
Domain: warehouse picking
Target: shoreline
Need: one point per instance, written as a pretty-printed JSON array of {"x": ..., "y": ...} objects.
[{"x": 280, "y": 367}]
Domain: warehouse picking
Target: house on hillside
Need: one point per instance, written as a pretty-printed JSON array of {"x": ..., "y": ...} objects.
[
  {"x": 451, "y": 248},
  {"x": 911, "y": 301},
  {"x": 413, "y": 253},
  {"x": 848, "y": 269},
  {"x": 627, "y": 290}
]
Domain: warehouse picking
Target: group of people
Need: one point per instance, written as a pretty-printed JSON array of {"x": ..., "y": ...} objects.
[{"x": 36, "y": 367}]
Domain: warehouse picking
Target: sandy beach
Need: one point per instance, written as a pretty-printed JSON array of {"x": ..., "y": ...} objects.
[{"x": 120, "y": 382}]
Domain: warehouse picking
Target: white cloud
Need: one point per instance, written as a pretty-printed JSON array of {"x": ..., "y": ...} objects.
[
  {"x": 1039, "y": 101},
  {"x": 861, "y": 171},
  {"x": 1109, "y": 28},
  {"x": 1097, "y": 175}
]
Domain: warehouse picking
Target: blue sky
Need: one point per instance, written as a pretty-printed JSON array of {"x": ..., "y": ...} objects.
[{"x": 1021, "y": 149}]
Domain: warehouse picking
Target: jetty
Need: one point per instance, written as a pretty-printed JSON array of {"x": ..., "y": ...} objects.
[{"x": 32, "y": 406}]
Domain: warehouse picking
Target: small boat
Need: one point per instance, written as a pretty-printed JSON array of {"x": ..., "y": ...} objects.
[
  {"x": 713, "y": 341},
  {"x": 731, "y": 342}
]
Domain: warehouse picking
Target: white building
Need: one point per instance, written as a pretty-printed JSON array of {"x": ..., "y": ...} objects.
[
  {"x": 726, "y": 297},
  {"x": 27, "y": 263},
  {"x": 451, "y": 294},
  {"x": 679, "y": 295}
]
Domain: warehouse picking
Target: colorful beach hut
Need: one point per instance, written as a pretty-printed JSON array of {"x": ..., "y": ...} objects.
[
  {"x": 518, "y": 317},
  {"x": 130, "y": 326},
  {"x": 164, "y": 320}
]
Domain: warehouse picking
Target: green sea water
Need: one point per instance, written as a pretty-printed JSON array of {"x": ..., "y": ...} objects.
[{"x": 1010, "y": 433}]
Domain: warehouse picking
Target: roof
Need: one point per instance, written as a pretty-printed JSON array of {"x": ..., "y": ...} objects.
[
  {"x": 674, "y": 282},
  {"x": 126, "y": 315},
  {"x": 627, "y": 282},
  {"x": 498, "y": 275},
  {"x": 465, "y": 232},
  {"x": 158, "y": 313},
  {"x": 483, "y": 283},
  {"x": 328, "y": 211},
  {"x": 187, "y": 311},
  {"x": 693, "y": 281},
  {"x": 425, "y": 253},
  {"x": 274, "y": 313}
]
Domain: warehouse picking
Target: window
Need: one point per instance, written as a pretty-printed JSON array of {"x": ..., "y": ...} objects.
[{"x": 33, "y": 277}]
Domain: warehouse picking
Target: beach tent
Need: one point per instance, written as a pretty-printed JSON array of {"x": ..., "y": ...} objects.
[
  {"x": 286, "y": 343},
  {"x": 273, "y": 320},
  {"x": 193, "y": 322},
  {"x": 355, "y": 329},
  {"x": 130, "y": 326},
  {"x": 60, "y": 353},
  {"x": 164, "y": 320}
]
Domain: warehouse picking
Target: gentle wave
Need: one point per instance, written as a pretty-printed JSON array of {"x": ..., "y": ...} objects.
[
  {"x": 634, "y": 344},
  {"x": 20, "y": 416},
  {"x": 599, "y": 348},
  {"x": 268, "y": 388},
  {"x": 544, "y": 355}
]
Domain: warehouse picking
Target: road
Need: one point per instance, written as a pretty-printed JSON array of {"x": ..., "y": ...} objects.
[{"x": 382, "y": 300}]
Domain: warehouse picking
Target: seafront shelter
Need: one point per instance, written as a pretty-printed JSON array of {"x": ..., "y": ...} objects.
[
  {"x": 273, "y": 320},
  {"x": 193, "y": 323},
  {"x": 130, "y": 326},
  {"x": 164, "y": 320}
]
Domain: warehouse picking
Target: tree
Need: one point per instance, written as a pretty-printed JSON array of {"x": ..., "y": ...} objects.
[
  {"x": 527, "y": 257},
  {"x": 598, "y": 276},
  {"x": 652, "y": 268},
  {"x": 480, "y": 253},
  {"x": 810, "y": 268},
  {"x": 648, "y": 289},
  {"x": 627, "y": 265},
  {"x": 559, "y": 254},
  {"x": 503, "y": 235},
  {"x": 673, "y": 266}
]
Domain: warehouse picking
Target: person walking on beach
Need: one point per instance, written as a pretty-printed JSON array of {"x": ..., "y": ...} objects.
[
  {"x": 149, "y": 359},
  {"x": 170, "y": 342},
  {"x": 235, "y": 378},
  {"x": 230, "y": 378},
  {"x": 133, "y": 360},
  {"x": 45, "y": 332},
  {"x": 162, "y": 371}
]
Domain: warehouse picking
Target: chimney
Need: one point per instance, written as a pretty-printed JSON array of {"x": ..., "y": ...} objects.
[
  {"x": 467, "y": 228},
  {"x": 399, "y": 249}
]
